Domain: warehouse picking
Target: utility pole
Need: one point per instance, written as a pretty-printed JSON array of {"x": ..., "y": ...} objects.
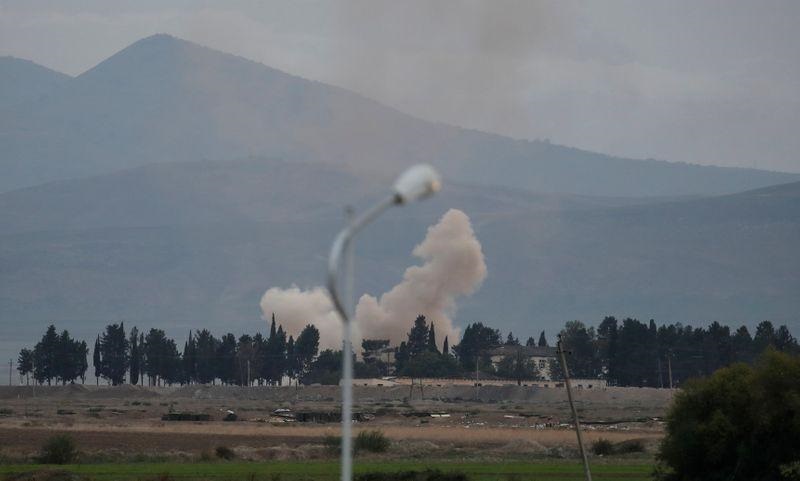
[
  {"x": 10, "y": 363},
  {"x": 563, "y": 358},
  {"x": 248, "y": 373}
]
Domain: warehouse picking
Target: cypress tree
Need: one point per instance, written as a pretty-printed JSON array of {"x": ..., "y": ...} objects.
[
  {"x": 446, "y": 347},
  {"x": 432, "y": 339},
  {"x": 135, "y": 367},
  {"x": 542, "y": 340},
  {"x": 97, "y": 360}
]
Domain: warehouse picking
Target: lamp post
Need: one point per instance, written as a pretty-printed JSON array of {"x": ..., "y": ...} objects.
[{"x": 418, "y": 182}]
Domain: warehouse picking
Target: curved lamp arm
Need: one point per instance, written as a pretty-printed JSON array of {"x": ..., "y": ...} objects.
[{"x": 340, "y": 244}]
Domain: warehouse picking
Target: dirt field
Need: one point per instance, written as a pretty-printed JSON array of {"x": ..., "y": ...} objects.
[{"x": 496, "y": 422}]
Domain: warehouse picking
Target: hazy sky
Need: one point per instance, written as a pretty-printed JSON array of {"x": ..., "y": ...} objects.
[{"x": 714, "y": 82}]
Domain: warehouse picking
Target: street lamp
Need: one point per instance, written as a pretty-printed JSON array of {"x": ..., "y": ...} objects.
[{"x": 416, "y": 183}]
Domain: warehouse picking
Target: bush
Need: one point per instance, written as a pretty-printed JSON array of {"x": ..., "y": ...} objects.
[
  {"x": 740, "y": 423},
  {"x": 332, "y": 443},
  {"x": 603, "y": 447},
  {"x": 224, "y": 452},
  {"x": 791, "y": 471},
  {"x": 372, "y": 441},
  {"x": 426, "y": 475},
  {"x": 629, "y": 446},
  {"x": 59, "y": 449}
]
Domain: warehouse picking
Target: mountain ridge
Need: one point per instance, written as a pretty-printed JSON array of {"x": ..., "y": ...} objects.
[{"x": 165, "y": 99}]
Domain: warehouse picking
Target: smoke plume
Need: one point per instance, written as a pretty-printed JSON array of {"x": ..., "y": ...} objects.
[{"x": 453, "y": 266}]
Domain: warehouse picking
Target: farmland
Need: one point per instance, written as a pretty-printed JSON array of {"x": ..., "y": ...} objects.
[{"x": 507, "y": 432}]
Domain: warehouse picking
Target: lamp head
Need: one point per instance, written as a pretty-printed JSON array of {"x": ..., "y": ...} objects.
[{"x": 416, "y": 183}]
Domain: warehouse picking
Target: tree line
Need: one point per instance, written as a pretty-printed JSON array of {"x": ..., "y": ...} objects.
[
  {"x": 635, "y": 353},
  {"x": 625, "y": 353}
]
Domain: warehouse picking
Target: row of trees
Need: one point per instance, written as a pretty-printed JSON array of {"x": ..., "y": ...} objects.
[
  {"x": 154, "y": 359},
  {"x": 628, "y": 353},
  {"x": 634, "y": 353},
  {"x": 57, "y": 357}
]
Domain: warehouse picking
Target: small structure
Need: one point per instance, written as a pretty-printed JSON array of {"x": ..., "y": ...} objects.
[
  {"x": 377, "y": 351},
  {"x": 540, "y": 357}
]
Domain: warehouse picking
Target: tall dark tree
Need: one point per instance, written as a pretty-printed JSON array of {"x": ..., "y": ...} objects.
[
  {"x": 764, "y": 337},
  {"x": 257, "y": 366},
  {"x": 246, "y": 354},
  {"x": 419, "y": 337},
  {"x": 190, "y": 359},
  {"x": 292, "y": 362},
  {"x": 784, "y": 341},
  {"x": 542, "y": 340},
  {"x": 607, "y": 348},
  {"x": 511, "y": 340},
  {"x": 476, "y": 341},
  {"x": 83, "y": 360},
  {"x": 25, "y": 364},
  {"x": 634, "y": 355},
  {"x": 45, "y": 357},
  {"x": 432, "y": 339},
  {"x": 206, "y": 357},
  {"x": 530, "y": 342},
  {"x": 97, "y": 360},
  {"x": 326, "y": 368},
  {"x": 135, "y": 368},
  {"x": 742, "y": 345},
  {"x": 579, "y": 342},
  {"x": 446, "y": 347},
  {"x": 306, "y": 347},
  {"x": 115, "y": 353},
  {"x": 226, "y": 359}
]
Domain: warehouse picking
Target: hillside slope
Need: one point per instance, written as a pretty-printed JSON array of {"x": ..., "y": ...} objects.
[
  {"x": 23, "y": 81},
  {"x": 164, "y": 99},
  {"x": 196, "y": 244}
]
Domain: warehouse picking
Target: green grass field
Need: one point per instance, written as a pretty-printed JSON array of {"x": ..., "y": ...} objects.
[{"x": 326, "y": 470}]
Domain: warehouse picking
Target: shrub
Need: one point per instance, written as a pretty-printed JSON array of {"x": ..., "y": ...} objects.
[
  {"x": 372, "y": 441},
  {"x": 791, "y": 471},
  {"x": 426, "y": 475},
  {"x": 59, "y": 449},
  {"x": 332, "y": 443},
  {"x": 602, "y": 447},
  {"x": 740, "y": 423},
  {"x": 224, "y": 452},
  {"x": 629, "y": 446}
]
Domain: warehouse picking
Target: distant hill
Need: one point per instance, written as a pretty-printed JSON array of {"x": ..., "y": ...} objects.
[
  {"x": 23, "y": 81},
  {"x": 164, "y": 99},
  {"x": 183, "y": 245}
]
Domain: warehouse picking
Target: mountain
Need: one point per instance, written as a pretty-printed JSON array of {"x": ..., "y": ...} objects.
[
  {"x": 23, "y": 81},
  {"x": 195, "y": 244},
  {"x": 163, "y": 99}
]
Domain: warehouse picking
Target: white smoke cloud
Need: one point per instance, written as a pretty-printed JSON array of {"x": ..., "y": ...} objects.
[
  {"x": 295, "y": 308},
  {"x": 453, "y": 266}
]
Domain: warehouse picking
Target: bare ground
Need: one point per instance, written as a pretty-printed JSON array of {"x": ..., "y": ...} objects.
[{"x": 507, "y": 421}]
